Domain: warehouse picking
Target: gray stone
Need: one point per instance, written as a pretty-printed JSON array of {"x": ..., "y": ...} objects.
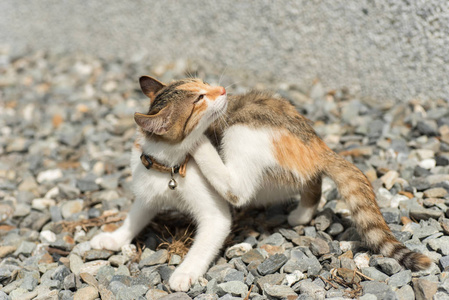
[
  {"x": 30, "y": 281},
  {"x": 165, "y": 272},
  {"x": 69, "y": 282},
  {"x": 388, "y": 265},
  {"x": 132, "y": 292},
  {"x": 278, "y": 291},
  {"x": 75, "y": 263},
  {"x": 154, "y": 294},
  {"x": 118, "y": 260},
  {"x": 65, "y": 295},
  {"x": 400, "y": 279},
  {"x": 391, "y": 215},
  {"x": 319, "y": 247},
  {"x": 116, "y": 286},
  {"x": 176, "y": 296},
  {"x": 252, "y": 255},
  {"x": 444, "y": 262},
  {"x": 206, "y": 297},
  {"x": 159, "y": 257},
  {"x": 87, "y": 184},
  {"x": 374, "y": 274},
  {"x": 405, "y": 293},
  {"x": 324, "y": 220},
  {"x": 272, "y": 264},
  {"x": 310, "y": 289},
  {"x": 379, "y": 289},
  {"x": 288, "y": 233},
  {"x": 310, "y": 231},
  {"x": 97, "y": 254},
  {"x": 25, "y": 248},
  {"x": 234, "y": 276},
  {"x": 60, "y": 273},
  {"x": 276, "y": 239},
  {"x": 68, "y": 191},
  {"x": 335, "y": 229},
  {"x": 424, "y": 289},
  {"x": 273, "y": 279},
  {"x": 235, "y": 288}
]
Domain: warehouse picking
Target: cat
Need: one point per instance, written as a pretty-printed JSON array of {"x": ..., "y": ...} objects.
[{"x": 267, "y": 153}]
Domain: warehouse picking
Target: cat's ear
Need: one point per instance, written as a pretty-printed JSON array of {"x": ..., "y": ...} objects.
[
  {"x": 150, "y": 86},
  {"x": 158, "y": 123}
]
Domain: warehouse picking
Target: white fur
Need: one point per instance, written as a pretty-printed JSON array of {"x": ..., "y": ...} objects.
[
  {"x": 194, "y": 196},
  {"x": 246, "y": 152}
]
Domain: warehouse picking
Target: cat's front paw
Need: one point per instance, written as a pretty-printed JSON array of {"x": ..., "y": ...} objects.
[
  {"x": 109, "y": 241},
  {"x": 181, "y": 281}
]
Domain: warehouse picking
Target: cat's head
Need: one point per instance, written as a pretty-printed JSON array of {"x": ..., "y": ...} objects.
[{"x": 180, "y": 108}]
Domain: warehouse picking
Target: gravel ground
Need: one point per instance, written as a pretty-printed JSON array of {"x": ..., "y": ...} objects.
[{"x": 67, "y": 127}]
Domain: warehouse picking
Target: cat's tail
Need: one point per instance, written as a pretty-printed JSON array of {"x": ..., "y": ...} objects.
[{"x": 358, "y": 193}]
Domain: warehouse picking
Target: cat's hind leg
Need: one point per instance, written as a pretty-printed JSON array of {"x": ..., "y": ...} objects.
[
  {"x": 139, "y": 216},
  {"x": 310, "y": 198}
]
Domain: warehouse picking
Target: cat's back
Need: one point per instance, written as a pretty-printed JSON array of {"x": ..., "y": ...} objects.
[{"x": 258, "y": 109}]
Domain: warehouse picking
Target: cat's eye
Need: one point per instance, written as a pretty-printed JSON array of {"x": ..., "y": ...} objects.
[{"x": 200, "y": 97}]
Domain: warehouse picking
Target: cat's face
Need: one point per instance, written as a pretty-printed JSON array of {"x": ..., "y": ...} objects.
[{"x": 180, "y": 108}]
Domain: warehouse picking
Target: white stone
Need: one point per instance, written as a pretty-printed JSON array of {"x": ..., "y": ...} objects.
[
  {"x": 397, "y": 199},
  {"x": 129, "y": 250},
  {"x": 47, "y": 236},
  {"x": 49, "y": 175},
  {"x": 42, "y": 203},
  {"x": 361, "y": 260},
  {"x": 92, "y": 267},
  {"x": 238, "y": 250},
  {"x": 349, "y": 245},
  {"x": 428, "y": 164},
  {"x": 292, "y": 278},
  {"x": 52, "y": 193}
]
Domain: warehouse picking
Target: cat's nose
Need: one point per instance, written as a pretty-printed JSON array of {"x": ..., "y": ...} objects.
[{"x": 223, "y": 91}]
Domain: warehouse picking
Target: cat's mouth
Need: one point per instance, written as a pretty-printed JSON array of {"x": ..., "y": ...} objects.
[{"x": 220, "y": 106}]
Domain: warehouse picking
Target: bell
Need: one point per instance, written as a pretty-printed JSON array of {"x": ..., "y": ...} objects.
[{"x": 172, "y": 184}]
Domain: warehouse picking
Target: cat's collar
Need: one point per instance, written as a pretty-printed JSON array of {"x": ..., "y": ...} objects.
[{"x": 151, "y": 163}]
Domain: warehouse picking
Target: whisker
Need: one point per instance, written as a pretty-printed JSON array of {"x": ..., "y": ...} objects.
[
  {"x": 222, "y": 73},
  {"x": 233, "y": 84}
]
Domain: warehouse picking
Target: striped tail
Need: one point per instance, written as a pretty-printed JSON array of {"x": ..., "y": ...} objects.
[{"x": 358, "y": 193}]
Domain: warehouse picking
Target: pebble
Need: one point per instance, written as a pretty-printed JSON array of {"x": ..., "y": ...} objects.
[
  {"x": 238, "y": 250},
  {"x": 424, "y": 289},
  {"x": 92, "y": 267},
  {"x": 158, "y": 257},
  {"x": 272, "y": 264},
  {"x": 400, "y": 279},
  {"x": 279, "y": 291},
  {"x": 310, "y": 289},
  {"x": 435, "y": 193},
  {"x": 379, "y": 289},
  {"x": 71, "y": 207},
  {"x": 235, "y": 288},
  {"x": 86, "y": 293}
]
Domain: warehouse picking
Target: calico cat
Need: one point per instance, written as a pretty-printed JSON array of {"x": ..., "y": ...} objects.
[{"x": 268, "y": 153}]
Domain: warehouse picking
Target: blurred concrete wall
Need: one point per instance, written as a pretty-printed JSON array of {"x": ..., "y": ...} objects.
[{"x": 383, "y": 50}]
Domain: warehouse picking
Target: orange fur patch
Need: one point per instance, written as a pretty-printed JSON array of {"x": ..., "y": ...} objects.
[
  {"x": 292, "y": 154},
  {"x": 212, "y": 92}
]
